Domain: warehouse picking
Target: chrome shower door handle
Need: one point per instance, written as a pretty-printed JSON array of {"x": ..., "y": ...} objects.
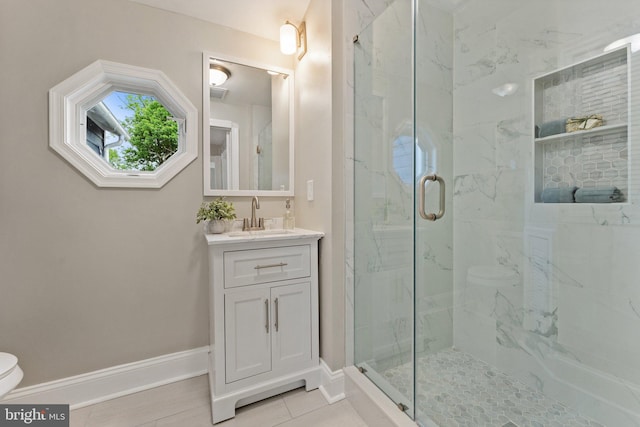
[{"x": 422, "y": 188}]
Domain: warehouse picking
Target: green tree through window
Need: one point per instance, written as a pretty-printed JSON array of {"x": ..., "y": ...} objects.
[{"x": 154, "y": 135}]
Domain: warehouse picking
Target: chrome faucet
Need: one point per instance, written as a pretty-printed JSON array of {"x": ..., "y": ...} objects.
[{"x": 254, "y": 223}]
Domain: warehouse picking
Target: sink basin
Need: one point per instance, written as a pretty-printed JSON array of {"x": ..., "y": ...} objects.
[{"x": 275, "y": 232}]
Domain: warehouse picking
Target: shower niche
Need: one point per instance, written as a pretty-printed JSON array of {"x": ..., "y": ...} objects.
[{"x": 581, "y": 131}]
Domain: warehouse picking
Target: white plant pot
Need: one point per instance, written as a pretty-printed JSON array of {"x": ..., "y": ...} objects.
[{"x": 216, "y": 226}]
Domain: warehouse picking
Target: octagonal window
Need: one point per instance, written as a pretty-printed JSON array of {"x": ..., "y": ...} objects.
[{"x": 123, "y": 126}]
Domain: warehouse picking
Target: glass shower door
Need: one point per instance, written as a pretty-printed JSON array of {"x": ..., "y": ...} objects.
[
  {"x": 433, "y": 234},
  {"x": 385, "y": 183}
]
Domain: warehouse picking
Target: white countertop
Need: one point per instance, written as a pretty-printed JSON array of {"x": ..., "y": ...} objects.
[{"x": 261, "y": 236}]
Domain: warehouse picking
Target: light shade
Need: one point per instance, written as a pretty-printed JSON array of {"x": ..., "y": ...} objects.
[
  {"x": 288, "y": 38},
  {"x": 218, "y": 74}
]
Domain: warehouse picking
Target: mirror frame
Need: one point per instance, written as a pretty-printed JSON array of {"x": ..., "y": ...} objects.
[
  {"x": 206, "y": 114},
  {"x": 70, "y": 100}
]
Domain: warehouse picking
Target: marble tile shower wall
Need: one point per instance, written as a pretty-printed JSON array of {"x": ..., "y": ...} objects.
[
  {"x": 434, "y": 118},
  {"x": 383, "y": 281},
  {"x": 593, "y": 269},
  {"x": 358, "y": 14},
  {"x": 383, "y": 288},
  {"x": 578, "y": 277}
]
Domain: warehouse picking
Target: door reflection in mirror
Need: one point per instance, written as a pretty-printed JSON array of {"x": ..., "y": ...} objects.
[{"x": 223, "y": 155}]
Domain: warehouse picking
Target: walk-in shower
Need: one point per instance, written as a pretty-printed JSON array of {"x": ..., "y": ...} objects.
[{"x": 496, "y": 251}]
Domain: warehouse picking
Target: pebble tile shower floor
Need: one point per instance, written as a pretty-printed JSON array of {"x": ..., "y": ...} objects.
[{"x": 457, "y": 390}]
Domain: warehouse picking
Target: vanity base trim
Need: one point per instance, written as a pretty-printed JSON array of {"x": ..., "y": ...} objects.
[{"x": 224, "y": 407}]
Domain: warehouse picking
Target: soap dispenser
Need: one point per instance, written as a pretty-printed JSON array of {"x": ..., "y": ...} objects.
[{"x": 288, "y": 220}]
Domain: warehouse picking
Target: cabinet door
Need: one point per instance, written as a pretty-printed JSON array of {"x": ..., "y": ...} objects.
[
  {"x": 291, "y": 315},
  {"x": 247, "y": 334}
]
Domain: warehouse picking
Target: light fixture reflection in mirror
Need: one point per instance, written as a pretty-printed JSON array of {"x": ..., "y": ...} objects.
[
  {"x": 256, "y": 158},
  {"x": 218, "y": 74}
]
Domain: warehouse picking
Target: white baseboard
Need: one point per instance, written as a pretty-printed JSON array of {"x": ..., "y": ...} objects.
[
  {"x": 332, "y": 383},
  {"x": 98, "y": 386}
]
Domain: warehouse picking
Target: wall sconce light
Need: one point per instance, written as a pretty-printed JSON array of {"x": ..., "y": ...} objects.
[
  {"x": 293, "y": 39},
  {"x": 218, "y": 74}
]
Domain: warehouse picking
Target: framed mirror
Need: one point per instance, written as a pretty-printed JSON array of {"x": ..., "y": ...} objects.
[
  {"x": 248, "y": 128},
  {"x": 122, "y": 125}
]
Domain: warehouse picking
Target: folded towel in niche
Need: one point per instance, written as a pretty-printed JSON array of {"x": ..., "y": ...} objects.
[
  {"x": 551, "y": 128},
  {"x": 584, "y": 123},
  {"x": 599, "y": 195},
  {"x": 558, "y": 195}
]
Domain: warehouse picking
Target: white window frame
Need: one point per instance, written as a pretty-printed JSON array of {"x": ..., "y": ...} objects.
[{"x": 70, "y": 100}]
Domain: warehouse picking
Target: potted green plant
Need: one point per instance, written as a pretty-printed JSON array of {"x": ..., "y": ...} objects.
[{"x": 217, "y": 212}]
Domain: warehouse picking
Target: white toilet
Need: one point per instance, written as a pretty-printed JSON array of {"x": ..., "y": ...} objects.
[{"x": 10, "y": 373}]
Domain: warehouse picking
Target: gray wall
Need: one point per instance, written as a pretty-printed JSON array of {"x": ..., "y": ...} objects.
[
  {"x": 319, "y": 157},
  {"x": 89, "y": 277}
]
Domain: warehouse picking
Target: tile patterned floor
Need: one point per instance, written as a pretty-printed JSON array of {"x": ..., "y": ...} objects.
[
  {"x": 457, "y": 390},
  {"x": 186, "y": 404}
]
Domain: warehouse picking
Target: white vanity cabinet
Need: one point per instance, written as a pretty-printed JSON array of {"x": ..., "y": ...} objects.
[
  {"x": 264, "y": 317},
  {"x": 267, "y": 329}
]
